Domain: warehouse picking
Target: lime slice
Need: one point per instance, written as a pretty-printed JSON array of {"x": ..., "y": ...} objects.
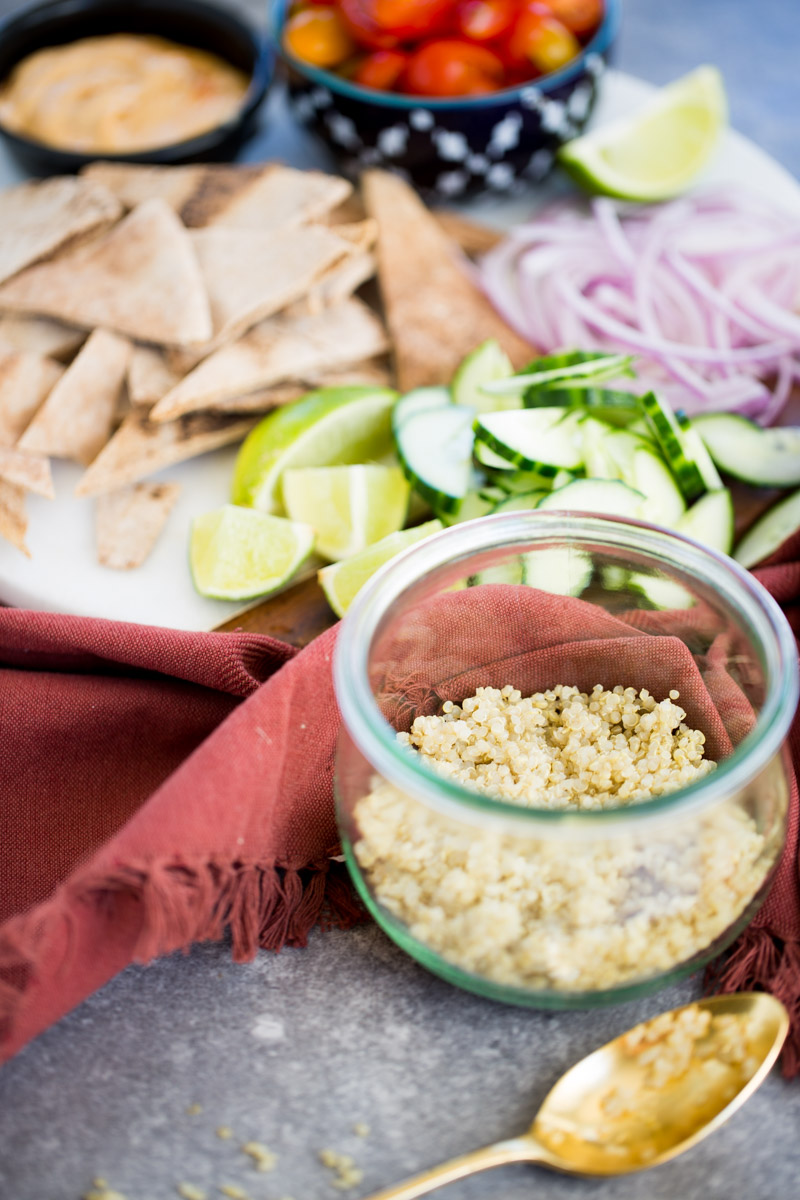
[
  {"x": 341, "y": 581},
  {"x": 238, "y": 553},
  {"x": 349, "y": 507},
  {"x": 655, "y": 154},
  {"x": 321, "y": 429}
]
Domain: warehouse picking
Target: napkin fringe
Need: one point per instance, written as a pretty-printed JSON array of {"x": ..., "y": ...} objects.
[
  {"x": 262, "y": 905},
  {"x": 761, "y": 961}
]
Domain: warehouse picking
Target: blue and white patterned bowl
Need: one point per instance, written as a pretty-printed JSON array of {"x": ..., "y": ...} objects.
[{"x": 450, "y": 149}]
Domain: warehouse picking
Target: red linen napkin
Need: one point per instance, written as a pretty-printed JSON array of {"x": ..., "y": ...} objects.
[{"x": 159, "y": 787}]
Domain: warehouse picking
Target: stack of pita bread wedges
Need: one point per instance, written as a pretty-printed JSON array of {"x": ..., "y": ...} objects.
[{"x": 151, "y": 314}]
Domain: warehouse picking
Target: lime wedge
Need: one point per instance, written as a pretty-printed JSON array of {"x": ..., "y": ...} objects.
[
  {"x": 321, "y": 429},
  {"x": 656, "y": 153},
  {"x": 238, "y": 553},
  {"x": 349, "y": 507},
  {"x": 341, "y": 581}
]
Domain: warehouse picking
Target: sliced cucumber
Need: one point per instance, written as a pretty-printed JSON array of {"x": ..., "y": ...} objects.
[
  {"x": 710, "y": 521},
  {"x": 597, "y": 459},
  {"x": 739, "y": 447},
  {"x": 474, "y": 505},
  {"x": 672, "y": 442},
  {"x": 561, "y": 479},
  {"x": 484, "y": 365},
  {"x": 649, "y": 474},
  {"x": 695, "y": 446},
  {"x": 435, "y": 451},
  {"x": 562, "y": 570},
  {"x": 661, "y": 592},
  {"x": 520, "y": 503},
  {"x": 610, "y": 497},
  {"x": 519, "y": 482},
  {"x": 490, "y": 458},
  {"x": 422, "y": 399},
  {"x": 770, "y": 531},
  {"x": 616, "y": 408},
  {"x": 572, "y": 366},
  {"x": 536, "y": 439}
]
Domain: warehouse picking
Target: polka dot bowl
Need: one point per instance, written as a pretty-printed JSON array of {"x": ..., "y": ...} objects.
[{"x": 451, "y": 149}]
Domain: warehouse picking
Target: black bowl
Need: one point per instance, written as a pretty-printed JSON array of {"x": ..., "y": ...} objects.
[
  {"x": 451, "y": 149},
  {"x": 189, "y": 22}
]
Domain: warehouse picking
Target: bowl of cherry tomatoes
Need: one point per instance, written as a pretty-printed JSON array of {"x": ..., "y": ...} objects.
[{"x": 459, "y": 96}]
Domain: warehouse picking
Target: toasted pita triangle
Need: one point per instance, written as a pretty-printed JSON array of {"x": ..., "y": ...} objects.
[
  {"x": 278, "y": 349},
  {"x": 141, "y": 278},
  {"x": 13, "y": 518},
  {"x": 250, "y": 275},
  {"x": 40, "y": 335},
  {"x": 474, "y": 239},
  {"x": 246, "y": 197},
  {"x": 140, "y": 448},
  {"x": 361, "y": 234},
  {"x": 284, "y": 393},
  {"x": 337, "y": 284},
  {"x": 37, "y": 218},
  {"x": 435, "y": 313},
  {"x": 25, "y": 380},
  {"x": 29, "y": 471},
  {"x": 150, "y": 376},
  {"x": 128, "y": 522},
  {"x": 77, "y": 417}
]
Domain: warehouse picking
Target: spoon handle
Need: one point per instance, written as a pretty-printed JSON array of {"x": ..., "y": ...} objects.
[{"x": 497, "y": 1155}]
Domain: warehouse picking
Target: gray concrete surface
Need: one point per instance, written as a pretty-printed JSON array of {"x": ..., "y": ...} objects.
[{"x": 294, "y": 1050}]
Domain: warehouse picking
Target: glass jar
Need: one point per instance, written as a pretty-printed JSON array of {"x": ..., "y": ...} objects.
[{"x": 558, "y": 907}]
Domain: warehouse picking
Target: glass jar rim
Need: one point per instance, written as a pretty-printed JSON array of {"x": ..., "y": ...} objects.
[{"x": 376, "y": 739}]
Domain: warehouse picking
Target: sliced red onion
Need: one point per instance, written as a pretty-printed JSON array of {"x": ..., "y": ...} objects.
[{"x": 706, "y": 290}]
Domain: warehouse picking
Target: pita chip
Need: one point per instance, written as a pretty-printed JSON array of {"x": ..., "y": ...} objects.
[
  {"x": 361, "y": 234},
  {"x": 141, "y": 279},
  {"x": 250, "y": 275},
  {"x": 28, "y": 471},
  {"x": 283, "y": 393},
  {"x": 473, "y": 239},
  {"x": 276, "y": 350},
  {"x": 150, "y": 376},
  {"x": 40, "y": 335},
  {"x": 140, "y": 447},
  {"x": 37, "y": 218},
  {"x": 77, "y": 417},
  {"x": 436, "y": 315},
  {"x": 25, "y": 381},
  {"x": 337, "y": 284},
  {"x": 248, "y": 197},
  {"x": 128, "y": 522},
  {"x": 13, "y": 518}
]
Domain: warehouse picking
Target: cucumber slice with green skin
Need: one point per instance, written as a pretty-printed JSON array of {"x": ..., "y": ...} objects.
[
  {"x": 642, "y": 427},
  {"x": 696, "y": 447},
  {"x": 490, "y": 458},
  {"x": 649, "y": 474},
  {"x": 616, "y": 408},
  {"x": 422, "y": 399},
  {"x": 710, "y": 521},
  {"x": 739, "y": 447},
  {"x": 563, "y": 571},
  {"x": 573, "y": 366},
  {"x": 517, "y": 482},
  {"x": 474, "y": 505},
  {"x": 537, "y": 439},
  {"x": 521, "y": 503},
  {"x": 484, "y": 365},
  {"x": 561, "y": 479},
  {"x": 597, "y": 457},
  {"x": 661, "y": 592},
  {"x": 610, "y": 497},
  {"x": 672, "y": 442},
  {"x": 770, "y": 531},
  {"x": 435, "y": 451}
]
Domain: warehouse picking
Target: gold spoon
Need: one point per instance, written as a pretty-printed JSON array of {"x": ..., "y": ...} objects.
[{"x": 643, "y": 1098}]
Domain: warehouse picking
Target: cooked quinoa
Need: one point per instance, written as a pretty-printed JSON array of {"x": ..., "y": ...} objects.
[{"x": 565, "y": 913}]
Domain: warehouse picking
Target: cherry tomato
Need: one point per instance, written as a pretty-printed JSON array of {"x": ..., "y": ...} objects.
[
  {"x": 380, "y": 70},
  {"x": 581, "y": 17},
  {"x": 484, "y": 20},
  {"x": 359, "y": 23},
  {"x": 317, "y": 35},
  {"x": 539, "y": 40},
  {"x": 453, "y": 68},
  {"x": 410, "y": 19}
]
